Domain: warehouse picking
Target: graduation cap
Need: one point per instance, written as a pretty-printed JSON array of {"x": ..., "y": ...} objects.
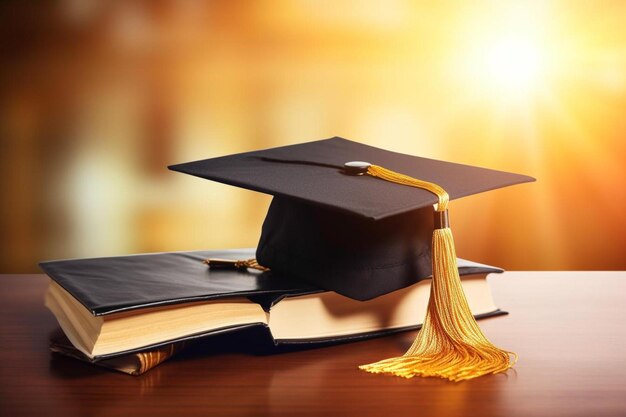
[{"x": 359, "y": 220}]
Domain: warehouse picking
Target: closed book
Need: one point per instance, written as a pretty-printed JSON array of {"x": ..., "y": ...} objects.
[
  {"x": 116, "y": 306},
  {"x": 136, "y": 363}
]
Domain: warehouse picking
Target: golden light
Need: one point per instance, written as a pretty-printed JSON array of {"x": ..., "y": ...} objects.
[
  {"x": 512, "y": 63},
  {"x": 506, "y": 53}
]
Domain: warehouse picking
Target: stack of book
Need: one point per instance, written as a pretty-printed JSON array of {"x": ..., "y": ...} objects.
[{"x": 131, "y": 313}]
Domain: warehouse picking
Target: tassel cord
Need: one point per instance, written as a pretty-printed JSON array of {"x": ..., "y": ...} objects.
[{"x": 391, "y": 176}]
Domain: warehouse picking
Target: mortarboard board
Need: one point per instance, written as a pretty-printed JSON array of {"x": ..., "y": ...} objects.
[
  {"x": 364, "y": 229},
  {"x": 356, "y": 235}
]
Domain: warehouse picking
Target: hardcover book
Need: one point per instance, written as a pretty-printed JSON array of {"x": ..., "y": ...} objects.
[
  {"x": 116, "y": 306},
  {"x": 136, "y": 363}
]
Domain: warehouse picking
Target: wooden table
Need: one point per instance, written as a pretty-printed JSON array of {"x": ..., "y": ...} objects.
[{"x": 568, "y": 328}]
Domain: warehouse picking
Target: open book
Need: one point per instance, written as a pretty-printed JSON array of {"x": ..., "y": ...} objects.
[{"x": 113, "y": 306}]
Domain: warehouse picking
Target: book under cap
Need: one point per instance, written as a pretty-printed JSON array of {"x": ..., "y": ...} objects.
[{"x": 139, "y": 306}]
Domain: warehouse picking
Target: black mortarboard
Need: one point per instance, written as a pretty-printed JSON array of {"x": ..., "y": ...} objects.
[
  {"x": 362, "y": 229},
  {"x": 354, "y": 234}
]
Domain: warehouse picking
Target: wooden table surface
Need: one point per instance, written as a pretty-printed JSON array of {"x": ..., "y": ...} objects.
[{"x": 567, "y": 327}]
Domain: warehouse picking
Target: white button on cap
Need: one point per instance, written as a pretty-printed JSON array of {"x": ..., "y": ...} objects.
[{"x": 356, "y": 167}]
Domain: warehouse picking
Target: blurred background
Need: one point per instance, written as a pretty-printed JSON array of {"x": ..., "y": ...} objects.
[{"x": 98, "y": 97}]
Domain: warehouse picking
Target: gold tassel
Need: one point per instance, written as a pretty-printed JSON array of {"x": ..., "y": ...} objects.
[{"x": 450, "y": 344}]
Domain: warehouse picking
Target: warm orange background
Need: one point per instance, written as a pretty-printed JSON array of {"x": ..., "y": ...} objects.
[{"x": 98, "y": 97}]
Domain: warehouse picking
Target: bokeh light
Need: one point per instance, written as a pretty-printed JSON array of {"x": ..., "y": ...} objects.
[{"x": 97, "y": 98}]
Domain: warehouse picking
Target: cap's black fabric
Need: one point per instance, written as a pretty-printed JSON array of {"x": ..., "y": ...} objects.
[
  {"x": 357, "y": 235},
  {"x": 351, "y": 255},
  {"x": 313, "y": 172}
]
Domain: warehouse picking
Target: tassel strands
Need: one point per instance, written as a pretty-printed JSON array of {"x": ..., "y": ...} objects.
[{"x": 450, "y": 344}]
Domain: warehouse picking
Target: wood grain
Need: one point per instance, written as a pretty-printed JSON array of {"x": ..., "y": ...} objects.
[{"x": 567, "y": 327}]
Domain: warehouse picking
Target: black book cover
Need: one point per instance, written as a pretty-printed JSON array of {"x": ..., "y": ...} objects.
[{"x": 123, "y": 283}]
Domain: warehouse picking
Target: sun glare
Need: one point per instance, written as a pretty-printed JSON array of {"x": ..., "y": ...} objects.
[
  {"x": 508, "y": 53},
  {"x": 512, "y": 63}
]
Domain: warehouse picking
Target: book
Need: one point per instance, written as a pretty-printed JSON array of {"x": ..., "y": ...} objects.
[
  {"x": 136, "y": 363},
  {"x": 116, "y": 306}
]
